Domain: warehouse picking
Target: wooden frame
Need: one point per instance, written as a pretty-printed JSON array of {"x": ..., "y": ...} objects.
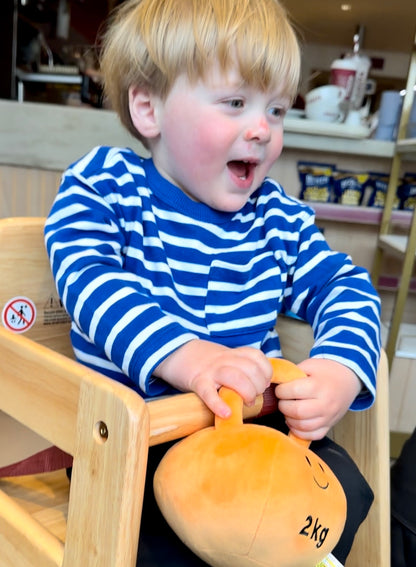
[{"x": 108, "y": 428}]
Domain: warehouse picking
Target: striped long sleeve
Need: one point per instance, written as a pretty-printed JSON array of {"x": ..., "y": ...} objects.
[{"x": 142, "y": 269}]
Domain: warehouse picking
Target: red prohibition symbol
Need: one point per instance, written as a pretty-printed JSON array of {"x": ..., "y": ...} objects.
[{"x": 19, "y": 314}]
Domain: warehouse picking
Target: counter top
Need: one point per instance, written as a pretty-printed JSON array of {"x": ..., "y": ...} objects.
[
  {"x": 72, "y": 131},
  {"x": 51, "y": 136}
]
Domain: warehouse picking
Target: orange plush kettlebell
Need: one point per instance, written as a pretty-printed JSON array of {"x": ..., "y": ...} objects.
[{"x": 245, "y": 495}]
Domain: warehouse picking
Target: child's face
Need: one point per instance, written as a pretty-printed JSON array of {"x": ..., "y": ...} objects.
[{"x": 218, "y": 138}]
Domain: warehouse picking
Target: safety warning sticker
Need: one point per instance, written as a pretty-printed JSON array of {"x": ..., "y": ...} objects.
[
  {"x": 19, "y": 314},
  {"x": 54, "y": 312}
]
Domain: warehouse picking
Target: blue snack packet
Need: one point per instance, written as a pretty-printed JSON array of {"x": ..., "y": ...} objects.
[
  {"x": 349, "y": 187},
  {"x": 317, "y": 181}
]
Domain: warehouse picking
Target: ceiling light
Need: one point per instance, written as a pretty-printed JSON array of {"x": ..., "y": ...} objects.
[{"x": 346, "y": 7}]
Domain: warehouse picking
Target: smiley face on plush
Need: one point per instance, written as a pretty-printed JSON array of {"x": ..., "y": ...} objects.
[{"x": 246, "y": 495}]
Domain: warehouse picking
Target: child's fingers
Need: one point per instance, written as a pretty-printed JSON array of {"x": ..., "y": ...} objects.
[
  {"x": 208, "y": 393},
  {"x": 300, "y": 388}
]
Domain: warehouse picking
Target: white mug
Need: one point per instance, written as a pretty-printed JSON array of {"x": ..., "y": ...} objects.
[{"x": 325, "y": 103}]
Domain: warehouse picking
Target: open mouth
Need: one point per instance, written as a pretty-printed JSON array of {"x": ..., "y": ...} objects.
[{"x": 244, "y": 170}]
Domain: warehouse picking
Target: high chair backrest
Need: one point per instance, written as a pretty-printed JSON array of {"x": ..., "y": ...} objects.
[
  {"x": 27, "y": 285},
  {"x": 103, "y": 424},
  {"x": 29, "y": 305},
  {"x": 108, "y": 428}
]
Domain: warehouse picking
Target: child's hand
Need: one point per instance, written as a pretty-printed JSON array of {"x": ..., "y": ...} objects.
[
  {"x": 312, "y": 405},
  {"x": 203, "y": 367}
]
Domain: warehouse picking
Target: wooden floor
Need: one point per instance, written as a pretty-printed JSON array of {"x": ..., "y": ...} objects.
[{"x": 44, "y": 496}]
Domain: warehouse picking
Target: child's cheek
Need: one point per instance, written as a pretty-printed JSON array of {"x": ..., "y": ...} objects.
[{"x": 214, "y": 138}]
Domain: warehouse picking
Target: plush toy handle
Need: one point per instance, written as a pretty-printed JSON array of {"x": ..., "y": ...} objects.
[
  {"x": 286, "y": 371},
  {"x": 283, "y": 371}
]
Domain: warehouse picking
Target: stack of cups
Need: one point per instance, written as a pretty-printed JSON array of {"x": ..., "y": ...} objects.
[
  {"x": 389, "y": 115},
  {"x": 343, "y": 72}
]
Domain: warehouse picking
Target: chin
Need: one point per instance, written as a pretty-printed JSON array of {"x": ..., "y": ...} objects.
[
  {"x": 232, "y": 206},
  {"x": 232, "y": 201}
]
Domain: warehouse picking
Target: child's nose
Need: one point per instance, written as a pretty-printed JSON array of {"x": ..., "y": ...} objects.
[{"x": 258, "y": 130}]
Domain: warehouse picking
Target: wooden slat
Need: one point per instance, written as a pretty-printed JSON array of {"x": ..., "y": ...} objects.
[
  {"x": 44, "y": 496},
  {"x": 174, "y": 417},
  {"x": 24, "y": 542},
  {"x": 106, "y": 500},
  {"x": 49, "y": 404}
]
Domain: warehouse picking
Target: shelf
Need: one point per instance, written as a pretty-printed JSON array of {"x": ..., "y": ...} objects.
[
  {"x": 306, "y": 140},
  {"x": 53, "y": 78},
  {"x": 331, "y": 129},
  {"x": 406, "y": 340},
  {"x": 407, "y": 148},
  {"x": 358, "y": 214},
  {"x": 60, "y": 78},
  {"x": 402, "y": 246},
  {"x": 393, "y": 243}
]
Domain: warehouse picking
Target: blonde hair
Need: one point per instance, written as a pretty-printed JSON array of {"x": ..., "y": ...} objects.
[{"x": 149, "y": 43}]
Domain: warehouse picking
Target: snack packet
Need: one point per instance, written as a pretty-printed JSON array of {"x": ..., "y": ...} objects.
[
  {"x": 377, "y": 185},
  {"x": 317, "y": 181},
  {"x": 407, "y": 192},
  {"x": 349, "y": 187}
]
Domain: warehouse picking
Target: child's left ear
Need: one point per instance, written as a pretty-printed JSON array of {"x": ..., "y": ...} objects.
[{"x": 142, "y": 111}]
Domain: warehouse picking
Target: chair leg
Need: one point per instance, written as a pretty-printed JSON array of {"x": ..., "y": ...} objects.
[{"x": 108, "y": 475}]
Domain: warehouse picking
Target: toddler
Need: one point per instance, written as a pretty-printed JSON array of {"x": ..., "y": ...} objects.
[{"x": 174, "y": 267}]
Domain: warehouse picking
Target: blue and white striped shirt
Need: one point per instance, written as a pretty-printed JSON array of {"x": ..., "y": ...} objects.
[{"x": 142, "y": 269}]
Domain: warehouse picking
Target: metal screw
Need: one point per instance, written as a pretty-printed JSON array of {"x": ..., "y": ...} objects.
[{"x": 102, "y": 430}]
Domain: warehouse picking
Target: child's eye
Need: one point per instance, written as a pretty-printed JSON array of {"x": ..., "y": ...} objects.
[
  {"x": 277, "y": 112},
  {"x": 235, "y": 103}
]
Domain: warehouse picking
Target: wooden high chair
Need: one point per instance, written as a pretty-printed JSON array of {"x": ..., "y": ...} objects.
[{"x": 50, "y": 400}]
